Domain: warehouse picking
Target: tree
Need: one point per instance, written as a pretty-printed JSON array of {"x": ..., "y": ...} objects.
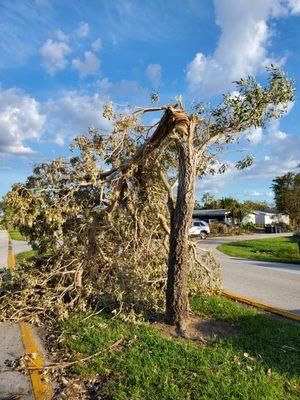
[
  {"x": 209, "y": 201},
  {"x": 258, "y": 205},
  {"x": 287, "y": 195},
  {"x": 145, "y": 164}
]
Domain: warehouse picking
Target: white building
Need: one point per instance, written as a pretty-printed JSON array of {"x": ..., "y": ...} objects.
[{"x": 262, "y": 218}]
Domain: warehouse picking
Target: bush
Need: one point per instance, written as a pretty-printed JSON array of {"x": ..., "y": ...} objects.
[
  {"x": 285, "y": 227},
  {"x": 220, "y": 229},
  {"x": 249, "y": 226}
]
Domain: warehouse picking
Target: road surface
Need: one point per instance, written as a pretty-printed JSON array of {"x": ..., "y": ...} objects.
[
  {"x": 276, "y": 284},
  {"x": 12, "y": 383},
  {"x": 18, "y": 247}
]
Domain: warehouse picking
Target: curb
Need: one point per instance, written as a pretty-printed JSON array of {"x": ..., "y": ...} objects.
[
  {"x": 41, "y": 389},
  {"x": 11, "y": 262},
  {"x": 258, "y": 304},
  {"x": 11, "y": 257}
]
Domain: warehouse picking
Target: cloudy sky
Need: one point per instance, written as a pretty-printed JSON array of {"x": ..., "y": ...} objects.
[{"x": 61, "y": 60}]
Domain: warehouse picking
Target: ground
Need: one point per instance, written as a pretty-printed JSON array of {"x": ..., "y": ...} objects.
[
  {"x": 15, "y": 235},
  {"x": 273, "y": 283},
  {"x": 255, "y": 357},
  {"x": 283, "y": 249}
]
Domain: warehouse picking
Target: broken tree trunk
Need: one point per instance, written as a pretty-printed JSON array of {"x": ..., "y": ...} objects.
[{"x": 177, "y": 303}]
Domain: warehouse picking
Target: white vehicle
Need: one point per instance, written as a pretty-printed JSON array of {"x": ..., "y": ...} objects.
[{"x": 199, "y": 228}]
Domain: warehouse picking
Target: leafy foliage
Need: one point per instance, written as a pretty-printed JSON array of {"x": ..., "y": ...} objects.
[
  {"x": 104, "y": 214},
  {"x": 287, "y": 195}
]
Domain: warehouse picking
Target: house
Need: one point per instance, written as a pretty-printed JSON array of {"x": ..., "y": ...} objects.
[
  {"x": 214, "y": 215},
  {"x": 262, "y": 218}
]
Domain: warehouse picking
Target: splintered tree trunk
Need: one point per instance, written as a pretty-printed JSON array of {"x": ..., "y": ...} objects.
[{"x": 177, "y": 303}]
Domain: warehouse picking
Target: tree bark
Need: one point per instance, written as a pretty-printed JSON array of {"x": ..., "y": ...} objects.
[{"x": 177, "y": 303}]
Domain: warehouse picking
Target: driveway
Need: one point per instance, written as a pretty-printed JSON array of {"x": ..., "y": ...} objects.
[{"x": 276, "y": 284}]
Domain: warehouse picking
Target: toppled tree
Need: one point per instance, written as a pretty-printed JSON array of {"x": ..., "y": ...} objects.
[{"x": 119, "y": 228}]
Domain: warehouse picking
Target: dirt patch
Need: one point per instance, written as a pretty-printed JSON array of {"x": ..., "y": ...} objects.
[
  {"x": 269, "y": 252},
  {"x": 200, "y": 330}
]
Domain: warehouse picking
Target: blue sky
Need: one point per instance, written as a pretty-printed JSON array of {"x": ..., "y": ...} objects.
[{"x": 61, "y": 60}]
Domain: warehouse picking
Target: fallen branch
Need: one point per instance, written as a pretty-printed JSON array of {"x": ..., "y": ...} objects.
[{"x": 67, "y": 364}]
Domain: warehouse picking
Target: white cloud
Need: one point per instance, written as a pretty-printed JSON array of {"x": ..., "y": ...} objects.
[
  {"x": 255, "y": 135},
  {"x": 54, "y": 55},
  {"x": 275, "y": 133},
  {"x": 89, "y": 65},
  {"x": 72, "y": 113},
  {"x": 124, "y": 89},
  {"x": 254, "y": 193},
  {"x": 20, "y": 120},
  {"x": 60, "y": 35},
  {"x": 59, "y": 139},
  {"x": 242, "y": 46},
  {"x": 97, "y": 44},
  {"x": 294, "y": 6},
  {"x": 83, "y": 30},
  {"x": 153, "y": 72}
]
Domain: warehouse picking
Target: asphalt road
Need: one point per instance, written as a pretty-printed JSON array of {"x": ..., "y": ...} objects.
[
  {"x": 276, "y": 284},
  {"x": 18, "y": 247},
  {"x": 12, "y": 384},
  {"x": 3, "y": 249}
]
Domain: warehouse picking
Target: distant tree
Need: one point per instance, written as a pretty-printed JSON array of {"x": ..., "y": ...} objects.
[
  {"x": 237, "y": 209},
  {"x": 197, "y": 205},
  {"x": 258, "y": 205},
  {"x": 287, "y": 195},
  {"x": 208, "y": 201}
]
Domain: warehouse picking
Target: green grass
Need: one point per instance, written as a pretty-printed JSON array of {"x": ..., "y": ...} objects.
[
  {"x": 25, "y": 255},
  {"x": 148, "y": 366},
  {"x": 16, "y": 235},
  {"x": 281, "y": 249}
]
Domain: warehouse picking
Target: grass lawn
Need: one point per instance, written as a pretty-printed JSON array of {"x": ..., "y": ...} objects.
[
  {"x": 281, "y": 249},
  {"x": 261, "y": 360},
  {"x": 16, "y": 235},
  {"x": 26, "y": 254}
]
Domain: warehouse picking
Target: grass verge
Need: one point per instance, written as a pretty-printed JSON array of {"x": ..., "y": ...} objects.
[
  {"x": 281, "y": 249},
  {"x": 16, "y": 235},
  {"x": 261, "y": 361},
  {"x": 25, "y": 255}
]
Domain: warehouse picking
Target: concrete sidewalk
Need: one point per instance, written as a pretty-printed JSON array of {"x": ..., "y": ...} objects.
[{"x": 11, "y": 347}]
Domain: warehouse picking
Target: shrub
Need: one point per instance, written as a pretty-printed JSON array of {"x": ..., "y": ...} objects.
[{"x": 249, "y": 226}]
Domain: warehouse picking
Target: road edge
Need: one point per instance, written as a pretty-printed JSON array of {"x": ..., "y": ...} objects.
[
  {"x": 258, "y": 304},
  {"x": 41, "y": 388}
]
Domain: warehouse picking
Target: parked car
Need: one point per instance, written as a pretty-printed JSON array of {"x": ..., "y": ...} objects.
[{"x": 199, "y": 228}]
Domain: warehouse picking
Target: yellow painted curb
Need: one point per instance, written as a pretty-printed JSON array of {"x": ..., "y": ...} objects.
[
  {"x": 259, "y": 304},
  {"x": 11, "y": 262},
  {"x": 41, "y": 389}
]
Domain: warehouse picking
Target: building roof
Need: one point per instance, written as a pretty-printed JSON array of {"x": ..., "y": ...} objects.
[
  {"x": 211, "y": 213},
  {"x": 257, "y": 212}
]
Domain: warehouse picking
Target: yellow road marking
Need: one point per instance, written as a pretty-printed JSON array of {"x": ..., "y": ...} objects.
[
  {"x": 264, "y": 306},
  {"x": 11, "y": 257},
  {"x": 41, "y": 389}
]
